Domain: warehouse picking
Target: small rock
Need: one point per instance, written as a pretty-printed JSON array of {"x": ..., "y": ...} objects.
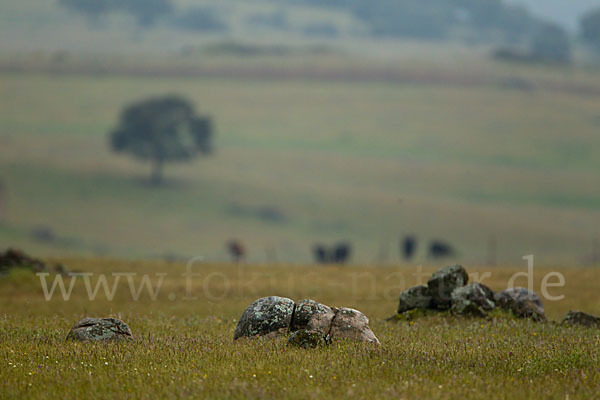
[
  {"x": 312, "y": 316},
  {"x": 264, "y": 316},
  {"x": 352, "y": 324},
  {"x": 443, "y": 282},
  {"x": 415, "y": 297},
  {"x": 100, "y": 330},
  {"x": 522, "y": 302},
  {"x": 472, "y": 299},
  {"x": 581, "y": 318},
  {"x": 307, "y": 339}
]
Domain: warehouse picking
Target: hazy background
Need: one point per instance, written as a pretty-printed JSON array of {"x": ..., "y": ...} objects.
[{"x": 463, "y": 121}]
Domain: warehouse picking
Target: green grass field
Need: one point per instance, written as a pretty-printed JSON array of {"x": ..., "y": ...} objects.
[
  {"x": 439, "y": 150},
  {"x": 345, "y": 138},
  {"x": 185, "y": 348}
]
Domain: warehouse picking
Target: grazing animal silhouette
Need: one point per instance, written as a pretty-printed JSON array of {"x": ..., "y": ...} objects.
[
  {"x": 338, "y": 254},
  {"x": 409, "y": 247},
  {"x": 342, "y": 253},
  {"x": 439, "y": 249},
  {"x": 236, "y": 250},
  {"x": 321, "y": 254}
]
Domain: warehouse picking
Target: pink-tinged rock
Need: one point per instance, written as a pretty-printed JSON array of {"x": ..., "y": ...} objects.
[{"x": 353, "y": 325}]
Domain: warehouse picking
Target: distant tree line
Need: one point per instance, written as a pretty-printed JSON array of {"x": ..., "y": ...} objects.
[
  {"x": 436, "y": 19},
  {"x": 148, "y": 12},
  {"x": 551, "y": 42},
  {"x": 476, "y": 20},
  {"x": 590, "y": 28}
]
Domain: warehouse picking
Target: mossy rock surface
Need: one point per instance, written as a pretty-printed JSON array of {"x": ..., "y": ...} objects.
[
  {"x": 581, "y": 318},
  {"x": 100, "y": 330},
  {"x": 415, "y": 297},
  {"x": 443, "y": 282},
  {"x": 264, "y": 316},
  {"x": 307, "y": 339}
]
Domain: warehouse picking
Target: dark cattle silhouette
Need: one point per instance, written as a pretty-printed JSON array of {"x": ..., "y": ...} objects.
[
  {"x": 440, "y": 249},
  {"x": 236, "y": 250},
  {"x": 338, "y": 254},
  {"x": 341, "y": 253},
  {"x": 321, "y": 254},
  {"x": 409, "y": 247}
]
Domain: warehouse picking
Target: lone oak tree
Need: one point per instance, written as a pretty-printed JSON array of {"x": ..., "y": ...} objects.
[{"x": 161, "y": 130}]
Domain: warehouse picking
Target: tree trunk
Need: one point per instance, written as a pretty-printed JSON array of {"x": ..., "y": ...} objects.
[{"x": 156, "y": 178}]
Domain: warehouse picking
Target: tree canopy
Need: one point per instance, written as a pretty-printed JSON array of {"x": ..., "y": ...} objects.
[
  {"x": 551, "y": 43},
  {"x": 161, "y": 130}
]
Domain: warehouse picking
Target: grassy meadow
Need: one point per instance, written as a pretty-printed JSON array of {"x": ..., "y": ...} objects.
[
  {"x": 333, "y": 139},
  {"x": 184, "y": 348},
  {"x": 341, "y": 148}
]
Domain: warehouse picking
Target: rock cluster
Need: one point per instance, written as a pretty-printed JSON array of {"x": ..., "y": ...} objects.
[
  {"x": 17, "y": 259},
  {"x": 100, "y": 330},
  {"x": 522, "y": 303},
  {"x": 310, "y": 323},
  {"x": 473, "y": 299},
  {"x": 448, "y": 290}
]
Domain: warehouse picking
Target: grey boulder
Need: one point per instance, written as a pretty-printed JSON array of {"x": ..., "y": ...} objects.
[
  {"x": 443, "y": 282},
  {"x": 100, "y": 330},
  {"x": 521, "y": 302},
  {"x": 268, "y": 315},
  {"x": 312, "y": 316},
  {"x": 353, "y": 325},
  {"x": 581, "y": 318},
  {"x": 414, "y": 297},
  {"x": 308, "y": 321},
  {"x": 472, "y": 299}
]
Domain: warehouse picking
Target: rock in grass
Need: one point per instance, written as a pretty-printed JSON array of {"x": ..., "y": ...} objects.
[
  {"x": 581, "y": 318},
  {"x": 307, "y": 339},
  {"x": 443, "y": 282},
  {"x": 312, "y": 316},
  {"x": 353, "y": 325},
  {"x": 100, "y": 330},
  {"x": 274, "y": 316},
  {"x": 14, "y": 258},
  {"x": 417, "y": 297},
  {"x": 522, "y": 302},
  {"x": 265, "y": 316},
  {"x": 473, "y": 299}
]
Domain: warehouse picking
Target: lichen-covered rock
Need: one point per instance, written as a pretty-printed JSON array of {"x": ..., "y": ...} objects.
[
  {"x": 472, "y": 299},
  {"x": 443, "y": 282},
  {"x": 522, "y": 302},
  {"x": 100, "y": 330},
  {"x": 307, "y": 339},
  {"x": 312, "y": 316},
  {"x": 415, "y": 297},
  {"x": 581, "y": 318},
  {"x": 264, "y": 316},
  {"x": 351, "y": 324}
]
